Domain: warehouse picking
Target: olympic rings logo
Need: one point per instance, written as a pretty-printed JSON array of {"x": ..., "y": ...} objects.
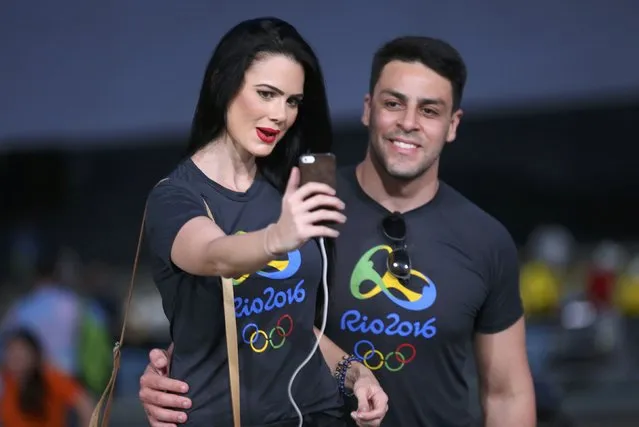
[
  {"x": 374, "y": 359},
  {"x": 260, "y": 340}
]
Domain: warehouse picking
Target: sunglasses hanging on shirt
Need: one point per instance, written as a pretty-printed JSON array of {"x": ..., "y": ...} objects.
[{"x": 398, "y": 261}]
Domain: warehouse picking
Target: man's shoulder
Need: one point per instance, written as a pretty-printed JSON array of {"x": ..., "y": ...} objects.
[{"x": 473, "y": 220}]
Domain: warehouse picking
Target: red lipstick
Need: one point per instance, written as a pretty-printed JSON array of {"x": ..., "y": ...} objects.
[{"x": 267, "y": 135}]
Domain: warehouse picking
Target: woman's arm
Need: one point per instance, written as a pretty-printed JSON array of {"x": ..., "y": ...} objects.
[
  {"x": 182, "y": 231},
  {"x": 333, "y": 355},
  {"x": 372, "y": 402},
  {"x": 201, "y": 248}
]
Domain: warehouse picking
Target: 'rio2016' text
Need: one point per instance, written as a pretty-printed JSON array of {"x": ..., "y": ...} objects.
[
  {"x": 271, "y": 300},
  {"x": 354, "y": 321}
]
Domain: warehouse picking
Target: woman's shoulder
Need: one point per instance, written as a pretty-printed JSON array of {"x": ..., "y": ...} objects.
[
  {"x": 181, "y": 181},
  {"x": 181, "y": 176},
  {"x": 186, "y": 188}
]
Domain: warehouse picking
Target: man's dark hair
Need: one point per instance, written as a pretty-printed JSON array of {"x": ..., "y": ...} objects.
[{"x": 433, "y": 53}]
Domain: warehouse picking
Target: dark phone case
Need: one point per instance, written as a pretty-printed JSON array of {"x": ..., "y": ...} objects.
[{"x": 322, "y": 170}]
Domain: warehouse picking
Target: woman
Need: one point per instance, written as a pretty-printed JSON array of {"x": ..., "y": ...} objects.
[
  {"x": 33, "y": 394},
  {"x": 262, "y": 104}
]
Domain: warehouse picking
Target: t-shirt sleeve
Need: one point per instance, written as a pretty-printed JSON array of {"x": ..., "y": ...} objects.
[
  {"x": 169, "y": 207},
  {"x": 502, "y": 307}
]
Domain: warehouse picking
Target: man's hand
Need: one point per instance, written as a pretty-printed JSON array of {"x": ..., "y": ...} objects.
[
  {"x": 159, "y": 393},
  {"x": 372, "y": 402}
]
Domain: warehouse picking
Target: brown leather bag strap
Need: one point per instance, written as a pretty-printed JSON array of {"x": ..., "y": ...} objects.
[
  {"x": 231, "y": 346},
  {"x": 231, "y": 341},
  {"x": 107, "y": 396},
  {"x": 230, "y": 324}
]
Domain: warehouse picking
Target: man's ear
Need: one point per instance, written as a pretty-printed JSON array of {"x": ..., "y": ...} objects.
[
  {"x": 452, "y": 127},
  {"x": 366, "y": 112}
]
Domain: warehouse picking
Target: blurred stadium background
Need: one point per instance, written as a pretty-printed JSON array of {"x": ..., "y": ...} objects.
[{"x": 95, "y": 105}]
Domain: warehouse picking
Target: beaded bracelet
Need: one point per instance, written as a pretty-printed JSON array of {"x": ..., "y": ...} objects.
[{"x": 340, "y": 372}]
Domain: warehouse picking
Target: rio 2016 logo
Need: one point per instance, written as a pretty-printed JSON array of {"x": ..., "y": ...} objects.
[
  {"x": 277, "y": 269},
  {"x": 365, "y": 284},
  {"x": 374, "y": 359},
  {"x": 364, "y": 273},
  {"x": 260, "y": 340},
  {"x": 272, "y": 298}
]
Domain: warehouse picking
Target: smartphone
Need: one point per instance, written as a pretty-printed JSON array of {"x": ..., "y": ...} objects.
[{"x": 318, "y": 167}]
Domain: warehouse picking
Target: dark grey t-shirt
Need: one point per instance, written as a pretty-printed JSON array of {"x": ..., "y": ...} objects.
[
  {"x": 274, "y": 308},
  {"x": 417, "y": 338}
]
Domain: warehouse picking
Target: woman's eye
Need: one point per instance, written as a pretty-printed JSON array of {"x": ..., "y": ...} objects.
[{"x": 265, "y": 94}]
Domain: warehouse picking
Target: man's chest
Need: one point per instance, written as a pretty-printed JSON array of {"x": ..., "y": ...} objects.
[{"x": 389, "y": 322}]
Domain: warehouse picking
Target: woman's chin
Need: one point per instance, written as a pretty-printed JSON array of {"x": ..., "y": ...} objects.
[{"x": 262, "y": 150}]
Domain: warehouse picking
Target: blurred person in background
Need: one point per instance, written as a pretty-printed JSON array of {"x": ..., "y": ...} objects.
[
  {"x": 627, "y": 299},
  {"x": 35, "y": 394},
  {"x": 50, "y": 309},
  {"x": 608, "y": 260},
  {"x": 73, "y": 330},
  {"x": 98, "y": 280},
  {"x": 548, "y": 256}
]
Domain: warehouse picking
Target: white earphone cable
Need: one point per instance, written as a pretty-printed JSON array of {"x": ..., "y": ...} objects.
[{"x": 319, "y": 337}]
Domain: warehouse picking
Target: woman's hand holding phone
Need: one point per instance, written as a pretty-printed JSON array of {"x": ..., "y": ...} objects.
[{"x": 304, "y": 209}]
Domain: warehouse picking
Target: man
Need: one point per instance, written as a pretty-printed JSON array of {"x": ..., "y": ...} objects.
[{"x": 421, "y": 272}]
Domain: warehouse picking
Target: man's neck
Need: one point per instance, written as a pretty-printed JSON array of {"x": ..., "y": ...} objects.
[{"x": 394, "y": 194}]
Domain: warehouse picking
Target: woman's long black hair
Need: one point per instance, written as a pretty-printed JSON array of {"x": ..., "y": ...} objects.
[
  {"x": 32, "y": 393},
  {"x": 224, "y": 77}
]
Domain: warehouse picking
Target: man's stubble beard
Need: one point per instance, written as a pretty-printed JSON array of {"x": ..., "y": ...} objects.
[{"x": 375, "y": 144}]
